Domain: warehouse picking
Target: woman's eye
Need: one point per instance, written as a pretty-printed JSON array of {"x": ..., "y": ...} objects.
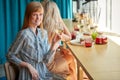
[
  {"x": 40, "y": 14},
  {"x": 33, "y": 14}
]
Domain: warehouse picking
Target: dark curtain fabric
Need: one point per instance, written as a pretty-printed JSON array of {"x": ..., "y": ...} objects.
[
  {"x": 65, "y": 7},
  {"x": 11, "y": 20}
]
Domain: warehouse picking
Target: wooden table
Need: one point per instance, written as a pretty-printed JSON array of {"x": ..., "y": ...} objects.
[{"x": 100, "y": 62}]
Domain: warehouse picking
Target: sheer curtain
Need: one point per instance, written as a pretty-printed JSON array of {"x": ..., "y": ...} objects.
[
  {"x": 91, "y": 7},
  {"x": 11, "y": 18}
]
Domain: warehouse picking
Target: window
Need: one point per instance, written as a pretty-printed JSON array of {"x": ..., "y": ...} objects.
[
  {"x": 104, "y": 12},
  {"x": 115, "y": 13}
]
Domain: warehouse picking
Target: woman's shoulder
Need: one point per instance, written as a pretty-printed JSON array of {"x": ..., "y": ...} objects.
[{"x": 23, "y": 32}]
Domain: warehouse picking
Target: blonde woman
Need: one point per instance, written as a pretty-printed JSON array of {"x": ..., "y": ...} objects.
[
  {"x": 31, "y": 50},
  {"x": 64, "y": 62}
]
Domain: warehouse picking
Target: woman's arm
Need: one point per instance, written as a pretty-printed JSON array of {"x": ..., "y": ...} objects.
[
  {"x": 15, "y": 50},
  {"x": 66, "y": 35},
  {"x": 49, "y": 55}
]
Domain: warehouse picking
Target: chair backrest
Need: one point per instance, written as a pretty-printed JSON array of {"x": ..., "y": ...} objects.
[{"x": 11, "y": 71}]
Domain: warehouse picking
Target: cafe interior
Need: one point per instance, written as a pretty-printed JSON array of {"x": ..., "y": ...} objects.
[{"x": 94, "y": 28}]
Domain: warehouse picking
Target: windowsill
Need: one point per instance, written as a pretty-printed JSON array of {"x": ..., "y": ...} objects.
[
  {"x": 113, "y": 36},
  {"x": 116, "y": 39}
]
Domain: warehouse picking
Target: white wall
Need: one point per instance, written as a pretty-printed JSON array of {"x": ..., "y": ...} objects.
[{"x": 116, "y": 16}]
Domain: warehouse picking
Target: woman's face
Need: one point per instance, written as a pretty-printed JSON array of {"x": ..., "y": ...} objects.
[{"x": 36, "y": 18}]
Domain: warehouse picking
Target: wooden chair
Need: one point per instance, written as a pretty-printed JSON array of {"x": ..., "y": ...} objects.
[{"x": 11, "y": 71}]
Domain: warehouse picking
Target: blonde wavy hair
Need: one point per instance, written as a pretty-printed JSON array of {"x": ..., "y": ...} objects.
[{"x": 52, "y": 19}]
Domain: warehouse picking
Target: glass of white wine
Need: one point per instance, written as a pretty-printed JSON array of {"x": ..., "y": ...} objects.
[{"x": 59, "y": 30}]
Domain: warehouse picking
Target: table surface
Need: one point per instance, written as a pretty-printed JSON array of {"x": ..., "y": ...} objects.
[{"x": 100, "y": 62}]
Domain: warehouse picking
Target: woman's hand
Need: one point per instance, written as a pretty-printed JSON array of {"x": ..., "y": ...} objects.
[
  {"x": 32, "y": 70},
  {"x": 65, "y": 35},
  {"x": 56, "y": 41}
]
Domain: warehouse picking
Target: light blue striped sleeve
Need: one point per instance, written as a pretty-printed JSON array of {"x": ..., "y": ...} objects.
[
  {"x": 49, "y": 54},
  {"x": 15, "y": 48}
]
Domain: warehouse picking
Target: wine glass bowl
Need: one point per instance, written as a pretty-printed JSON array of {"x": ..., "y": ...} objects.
[{"x": 59, "y": 31}]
